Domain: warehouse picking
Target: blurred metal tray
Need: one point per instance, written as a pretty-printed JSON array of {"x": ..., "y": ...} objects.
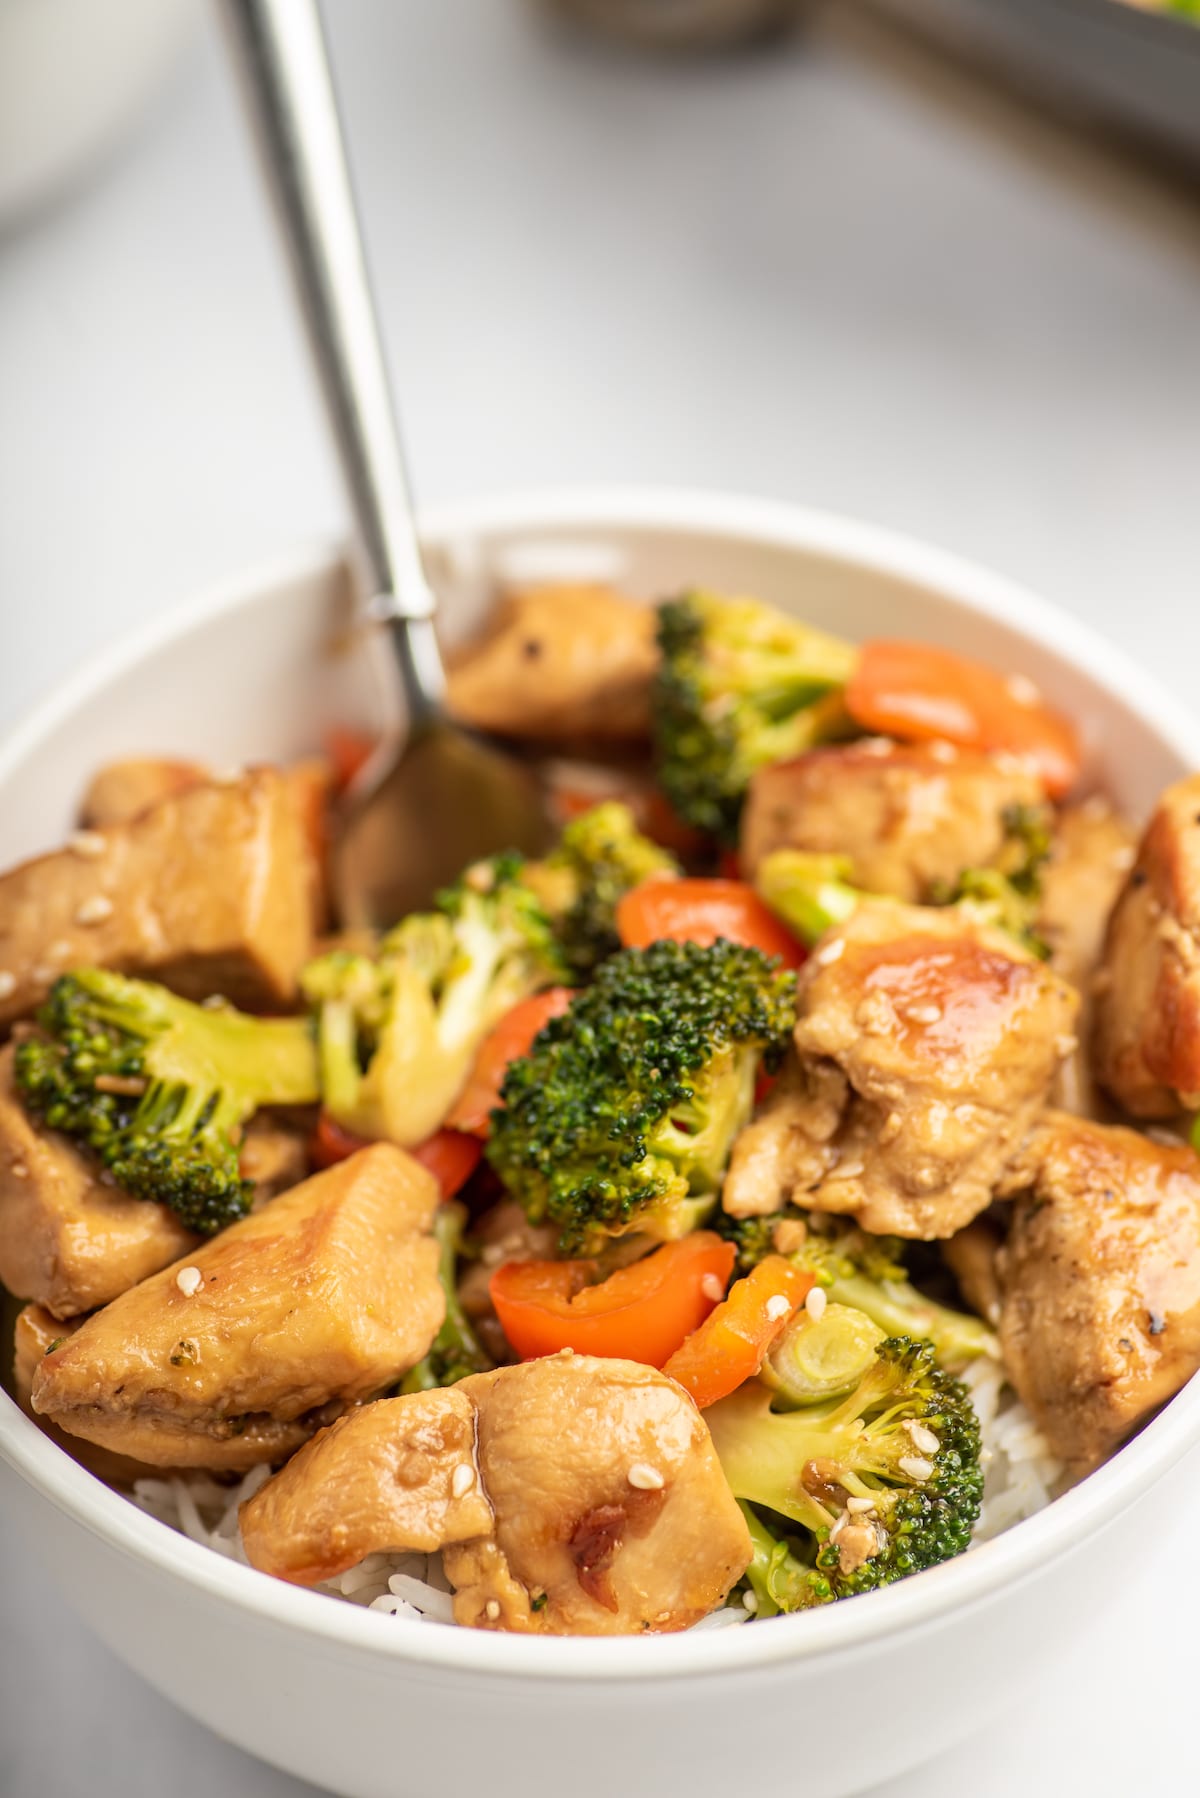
[{"x": 1121, "y": 64}]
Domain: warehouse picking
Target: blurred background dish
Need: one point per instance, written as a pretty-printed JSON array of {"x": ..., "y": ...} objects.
[{"x": 75, "y": 77}]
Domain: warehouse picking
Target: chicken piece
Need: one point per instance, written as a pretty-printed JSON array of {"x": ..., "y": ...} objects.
[
  {"x": 1091, "y": 852},
  {"x": 971, "y": 1257},
  {"x": 926, "y": 1044},
  {"x": 209, "y": 891},
  {"x": 1100, "y": 1282},
  {"x": 236, "y": 1355},
  {"x": 910, "y": 816},
  {"x": 35, "y": 1334},
  {"x": 68, "y": 1240},
  {"x": 571, "y": 1496},
  {"x": 1146, "y": 1040},
  {"x": 563, "y": 662},
  {"x": 274, "y": 1156},
  {"x": 120, "y": 791}
]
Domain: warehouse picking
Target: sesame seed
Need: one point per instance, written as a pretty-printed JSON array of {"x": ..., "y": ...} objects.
[
  {"x": 776, "y": 1307},
  {"x": 493, "y": 1254},
  {"x": 749, "y": 1601},
  {"x": 491, "y": 1610},
  {"x": 915, "y": 1466},
  {"x": 19, "y": 1170},
  {"x": 875, "y": 746},
  {"x": 462, "y": 1479},
  {"x": 922, "y": 1439},
  {"x": 858, "y": 1505},
  {"x": 1124, "y": 857},
  {"x": 88, "y": 843},
  {"x": 815, "y": 1303},
  {"x": 41, "y": 973},
  {"x": 1022, "y": 689},
  {"x": 925, "y": 1014},
  {"x": 564, "y": 1354},
  {"x": 94, "y": 910},
  {"x": 645, "y": 1478},
  {"x": 1066, "y": 1044},
  {"x": 59, "y": 951},
  {"x": 189, "y": 1280},
  {"x": 8, "y": 983},
  {"x": 849, "y": 1170},
  {"x": 943, "y": 752},
  {"x": 830, "y": 952},
  {"x": 712, "y": 1288}
]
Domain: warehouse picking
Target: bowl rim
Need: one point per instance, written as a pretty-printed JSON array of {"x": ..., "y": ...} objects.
[{"x": 911, "y": 1605}]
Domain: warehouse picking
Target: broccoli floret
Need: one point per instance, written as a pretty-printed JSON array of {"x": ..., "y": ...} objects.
[
  {"x": 1009, "y": 893},
  {"x": 864, "y": 1272},
  {"x": 623, "y": 1114},
  {"x": 740, "y": 686},
  {"x": 456, "y": 1350},
  {"x": 397, "y": 1031},
  {"x": 159, "y": 1089},
  {"x": 601, "y": 856},
  {"x": 906, "y": 1440}
]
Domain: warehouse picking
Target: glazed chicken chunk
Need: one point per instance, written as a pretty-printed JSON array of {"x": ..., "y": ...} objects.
[
  {"x": 67, "y": 1240},
  {"x": 569, "y": 1495},
  {"x": 910, "y": 817},
  {"x": 1099, "y": 1282},
  {"x": 558, "y": 663},
  {"x": 1146, "y": 1040},
  {"x": 1091, "y": 852},
  {"x": 213, "y": 890},
  {"x": 925, "y": 1046},
  {"x": 236, "y": 1354}
]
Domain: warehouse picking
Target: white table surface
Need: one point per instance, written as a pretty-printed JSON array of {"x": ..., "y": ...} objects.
[{"x": 837, "y": 273}]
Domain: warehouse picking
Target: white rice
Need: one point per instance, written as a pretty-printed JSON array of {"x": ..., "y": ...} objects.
[{"x": 1020, "y": 1477}]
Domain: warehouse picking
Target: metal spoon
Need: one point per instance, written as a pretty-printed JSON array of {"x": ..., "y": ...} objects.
[{"x": 423, "y": 810}]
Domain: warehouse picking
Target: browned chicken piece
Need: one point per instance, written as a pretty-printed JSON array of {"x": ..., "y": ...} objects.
[
  {"x": 1091, "y": 853},
  {"x": 1100, "y": 1282},
  {"x": 120, "y": 791},
  {"x": 559, "y": 663},
  {"x": 1146, "y": 1040},
  {"x": 971, "y": 1257},
  {"x": 238, "y": 1353},
  {"x": 67, "y": 1239},
  {"x": 36, "y": 1333},
  {"x": 1093, "y": 850},
  {"x": 910, "y": 817},
  {"x": 926, "y": 1045},
  {"x": 209, "y": 891},
  {"x": 569, "y": 1495},
  {"x": 274, "y": 1156}
]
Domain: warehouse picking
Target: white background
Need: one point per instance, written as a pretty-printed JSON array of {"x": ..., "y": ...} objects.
[{"x": 840, "y": 272}]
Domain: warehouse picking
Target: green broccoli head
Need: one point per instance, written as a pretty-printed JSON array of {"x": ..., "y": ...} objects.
[
  {"x": 874, "y": 1486},
  {"x": 456, "y": 1351},
  {"x": 600, "y": 857},
  {"x": 623, "y": 1114},
  {"x": 1008, "y": 895},
  {"x": 740, "y": 686},
  {"x": 397, "y": 1031},
  {"x": 865, "y": 1272},
  {"x": 159, "y": 1089}
]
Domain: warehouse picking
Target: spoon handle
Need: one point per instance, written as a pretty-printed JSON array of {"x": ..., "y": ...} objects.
[{"x": 280, "y": 50}]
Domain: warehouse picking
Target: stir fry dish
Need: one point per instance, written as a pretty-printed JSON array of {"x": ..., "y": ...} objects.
[{"x": 785, "y": 1182}]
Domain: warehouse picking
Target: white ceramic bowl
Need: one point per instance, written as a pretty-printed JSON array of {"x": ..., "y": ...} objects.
[{"x": 372, "y": 1707}]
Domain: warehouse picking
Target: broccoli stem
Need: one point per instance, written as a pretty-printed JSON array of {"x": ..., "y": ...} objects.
[
  {"x": 778, "y": 1580},
  {"x": 900, "y": 1310},
  {"x": 811, "y": 893}
]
